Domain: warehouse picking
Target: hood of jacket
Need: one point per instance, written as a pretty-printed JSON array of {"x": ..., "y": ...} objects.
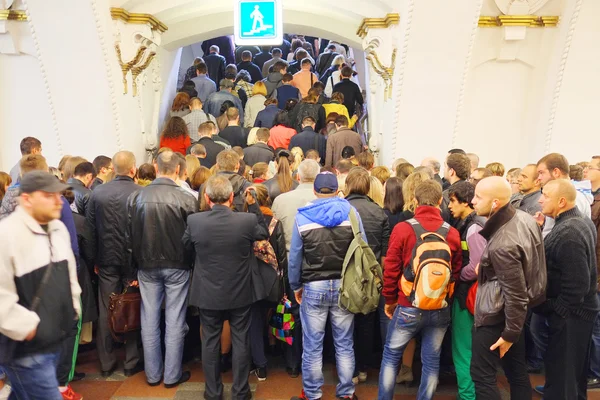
[
  {"x": 274, "y": 77},
  {"x": 327, "y": 212}
]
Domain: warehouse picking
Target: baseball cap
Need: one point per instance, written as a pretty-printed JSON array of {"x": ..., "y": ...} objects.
[
  {"x": 41, "y": 181},
  {"x": 226, "y": 83},
  {"x": 326, "y": 180}
]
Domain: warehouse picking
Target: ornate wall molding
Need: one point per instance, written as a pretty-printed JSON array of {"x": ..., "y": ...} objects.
[
  {"x": 109, "y": 75},
  {"x": 529, "y": 21},
  {"x": 137, "y": 18},
  {"x": 386, "y": 73},
  {"x": 377, "y": 23},
  {"x": 561, "y": 74},
  {"x": 13, "y": 15},
  {"x": 466, "y": 69},
  {"x": 400, "y": 82}
]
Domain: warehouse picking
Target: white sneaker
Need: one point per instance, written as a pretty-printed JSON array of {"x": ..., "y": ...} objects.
[
  {"x": 5, "y": 392},
  {"x": 362, "y": 377}
]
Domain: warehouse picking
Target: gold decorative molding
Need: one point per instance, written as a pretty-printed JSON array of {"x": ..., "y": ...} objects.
[
  {"x": 126, "y": 67},
  {"x": 13, "y": 15},
  {"x": 136, "y": 71},
  {"x": 386, "y": 73},
  {"x": 137, "y": 18},
  {"x": 377, "y": 23},
  {"x": 532, "y": 21}
]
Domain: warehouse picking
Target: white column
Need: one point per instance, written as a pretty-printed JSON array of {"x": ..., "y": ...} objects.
[{"x": 435, "y": 50}]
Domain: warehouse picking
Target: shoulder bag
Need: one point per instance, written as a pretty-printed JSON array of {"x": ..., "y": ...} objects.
[{"x": 124, "y": 313}]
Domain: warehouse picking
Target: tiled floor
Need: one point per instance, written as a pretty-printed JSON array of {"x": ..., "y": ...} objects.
[{"x": 278, "y": 386}]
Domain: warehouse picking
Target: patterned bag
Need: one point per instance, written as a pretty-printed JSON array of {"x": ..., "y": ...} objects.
[
  {"x": 263, "y": 249},
  {"x": 282, "y": 323}
]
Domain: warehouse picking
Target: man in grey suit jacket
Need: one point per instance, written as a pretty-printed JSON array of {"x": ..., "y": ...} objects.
[{"x": 222, "y": 284}]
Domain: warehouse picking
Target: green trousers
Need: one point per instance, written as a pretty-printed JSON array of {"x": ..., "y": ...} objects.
[{"x": 462, "y": 334}]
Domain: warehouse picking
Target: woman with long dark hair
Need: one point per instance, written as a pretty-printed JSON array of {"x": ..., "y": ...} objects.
[
  {"x": 181, "y": 105},
  {"x": 393, "y": 202},
  {"x": 175, "y": 135},
  {"x": 282, "y": 182}
]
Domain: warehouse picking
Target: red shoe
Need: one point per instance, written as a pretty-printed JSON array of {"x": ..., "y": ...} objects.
[
  {"x": 69, "y": 394},
  {"x": 302, "y": 397}
]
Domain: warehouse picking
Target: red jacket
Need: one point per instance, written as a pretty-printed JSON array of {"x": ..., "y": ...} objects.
[
  {"x": 178, "y": 144},
  {"x": 401, "y": 245}
]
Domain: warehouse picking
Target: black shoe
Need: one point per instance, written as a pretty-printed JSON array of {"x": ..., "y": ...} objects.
[
  {"x": 153, "y": 383},
  {"x": 184, "y": 378},
  {"x": 106, "y": 374},
  {"x": 139, "y": 367},
  {"x": 348, "y": 397},
  {"x": 261, "y": 373},
  {"x": 593, "y": 383},
  {"x": 77, "y": 376},
  {"x": 293, "y": 372},
  {"x": 225, "y": 362}
]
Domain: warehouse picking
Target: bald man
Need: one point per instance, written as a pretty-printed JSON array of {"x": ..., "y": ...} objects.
[
  {"x": 511, "y": 278},
  {"x": 106, "y": 214},
  {"x": 474, "y": 158},
  {"x": 572, "y": 304}
]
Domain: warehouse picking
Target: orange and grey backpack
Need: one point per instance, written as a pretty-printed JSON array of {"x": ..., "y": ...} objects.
[{"x": 427, "y": 282}]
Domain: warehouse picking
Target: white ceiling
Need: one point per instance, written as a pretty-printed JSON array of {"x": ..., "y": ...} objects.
[{"x": 191, "y": 21}]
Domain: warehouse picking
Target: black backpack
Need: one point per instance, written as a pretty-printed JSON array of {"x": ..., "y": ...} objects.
[{"x": 306, "y": 110}]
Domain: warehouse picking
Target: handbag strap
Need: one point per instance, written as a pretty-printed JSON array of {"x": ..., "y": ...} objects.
[{"x": 35, "y": 303}]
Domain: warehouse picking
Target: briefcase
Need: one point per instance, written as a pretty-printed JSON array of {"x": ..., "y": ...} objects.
[{"x": 124, "y": 313}]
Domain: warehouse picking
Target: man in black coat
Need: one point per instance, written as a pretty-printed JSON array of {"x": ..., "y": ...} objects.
[
  {"x": 222, "y": 282},
  {"x": 571, "y": 305},
  {"x": 215, "y": 63},
  {"x": 248, "y": 65},
  {"x": 206, "y": 131},
  {"x": 106, "y": 215},
  {"x": 157, "y": 221},
  {"x": 260, "y": 151},
  {"x": 309, "y": 139},
  {"x": 83, "y": 176},
  {"x": 350, "y": 90}
]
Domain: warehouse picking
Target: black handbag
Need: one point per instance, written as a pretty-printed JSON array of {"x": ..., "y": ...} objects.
[{"x": 8, "y": 346}]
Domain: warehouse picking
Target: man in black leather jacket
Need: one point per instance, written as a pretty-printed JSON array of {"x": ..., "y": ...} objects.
[
  {"x": 83, "y": 176},
  {"x": 157, "y": 220},
  {"x": 106, "y": 215},
  {"x": 512, "y": 277}
]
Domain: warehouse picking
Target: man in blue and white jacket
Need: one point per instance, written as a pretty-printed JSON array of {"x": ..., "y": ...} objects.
[
  {"x": 35, "y": 244},
  {"x": 320, "y": 241}
]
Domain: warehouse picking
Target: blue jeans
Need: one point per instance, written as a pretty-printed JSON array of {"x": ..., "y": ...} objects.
[
  {"x": 595, "y": 349},
  {"x": 406, "y": 323},
  {"x": 319, "y": 300},
  {"x": 384, "y": 321},
  {"x": 172, "y": 286},
  {"x": 33, "y": 377},
  {"x": 539, "y": 333}
]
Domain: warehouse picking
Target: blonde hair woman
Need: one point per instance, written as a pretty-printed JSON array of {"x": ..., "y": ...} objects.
[
  {"x": 376, "y": 192},
  {"x": 192, "y": 164},
  {"x": 408, "y": 189},
  {"x": 255, "y": 104}
]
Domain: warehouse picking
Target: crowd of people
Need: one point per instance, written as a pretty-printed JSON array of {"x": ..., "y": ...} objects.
[{"x": 481, "y": 268}]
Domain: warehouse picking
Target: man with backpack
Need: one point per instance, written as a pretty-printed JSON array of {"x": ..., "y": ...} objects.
[
  {"x": 423, "y": 261},
  {"x": 468, "y": 225},
  {"x": 511, "y": 278},
  {"x": 321, "y": 237}
]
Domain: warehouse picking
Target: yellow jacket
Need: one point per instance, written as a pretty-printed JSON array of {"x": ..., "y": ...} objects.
[{"x": 341, "y": 110}]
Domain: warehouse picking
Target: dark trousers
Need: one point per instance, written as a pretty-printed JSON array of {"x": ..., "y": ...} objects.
[
  {"x": 293, "y": 354},
  {"x": 567, "y": 358},
  {"x": 364, "y": 337},
  {"x": 212, "y": 325},
  {"x": 484, "y": 365},
  {"x": 110, "y": 280},
  {"x": 66, "y": 362},
  {"x": 257, "y": 334}
]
